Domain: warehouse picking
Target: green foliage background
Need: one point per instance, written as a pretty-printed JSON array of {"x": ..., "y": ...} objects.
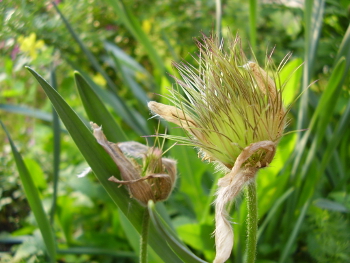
[{"x": 123, "y": 51}]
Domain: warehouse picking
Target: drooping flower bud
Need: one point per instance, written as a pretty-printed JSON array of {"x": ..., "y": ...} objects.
[
  {"x": 232, "y": 111},
  {"x": 154, "y": 179}
]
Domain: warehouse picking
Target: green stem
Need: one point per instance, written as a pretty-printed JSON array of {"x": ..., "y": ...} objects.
[
  {"x": 253, "y": 13},
  {"x": 144, "y": 237},
  {"x": 218, "y": 19},
  {"x": 252, "y": 222}
]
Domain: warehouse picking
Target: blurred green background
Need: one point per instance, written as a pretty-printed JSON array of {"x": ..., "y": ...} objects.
[{"x": 124, "y": 51}]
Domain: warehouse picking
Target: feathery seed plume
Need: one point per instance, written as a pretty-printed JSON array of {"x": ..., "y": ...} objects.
[{"x": 232, "y": 111}]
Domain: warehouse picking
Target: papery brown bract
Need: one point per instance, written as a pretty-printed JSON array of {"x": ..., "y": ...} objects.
[{"x": 153, "y": 180}]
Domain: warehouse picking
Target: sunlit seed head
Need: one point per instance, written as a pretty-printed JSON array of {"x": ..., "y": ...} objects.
[{"x": 225, "y": 104}]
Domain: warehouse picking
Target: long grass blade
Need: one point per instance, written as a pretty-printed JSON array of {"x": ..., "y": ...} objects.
[
  {"x": 193, "y": 168},
  {"x": 120, "y": 104},
  {"x": 108, "y": 98},
  {"x": 97, "y": 251},
  {"x": 253, "y": 14},
  {"x": 184, "y": 253},
  {"x": 97, "y": 112},
  {"x": 86, "y": 51},
  {"x": 32, "y": 194},
  {"x": 128, "y": 79},
  {"x": 57, "y": 149},
  {"x": 288, "y": 248},
  {"x": 273, "y": 210},
  {"x": 218, "y": 18},
  {"x": 23, "y": 110},
  {"x": 322, "y": 115},
  {"x": 127, "y": 60},
  {"x": 135, "y": 28},
  {"x": 313, "y": 16},
  {"x": 337, "y": 136}
]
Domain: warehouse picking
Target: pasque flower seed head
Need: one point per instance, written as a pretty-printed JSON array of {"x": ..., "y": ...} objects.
[
  {"x": 232, "y": 111},
  {"x": 225, "y": 105}
]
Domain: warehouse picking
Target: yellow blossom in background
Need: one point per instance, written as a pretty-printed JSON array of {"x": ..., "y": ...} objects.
[
  {"x": 30, "y": 45},
  {"x": 147, "y": 25},
  {"x": 140, "y": 76},
  {"x": 99, "y": 79}
]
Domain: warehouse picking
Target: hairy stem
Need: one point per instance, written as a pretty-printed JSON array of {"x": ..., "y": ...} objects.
[
  {"x": 144, "y": 237},
  {"x": 252, "y": 222}
]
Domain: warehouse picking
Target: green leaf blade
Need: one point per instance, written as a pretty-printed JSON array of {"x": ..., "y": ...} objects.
[
  {"x": 97, "y": 112},
  {"x": 33, "y": 197},
  {"x": 184, "y": 253}
]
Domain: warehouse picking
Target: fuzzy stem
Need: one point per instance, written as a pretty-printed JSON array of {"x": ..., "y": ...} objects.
[
  {"x": 252, "y": 222},
  {"x": 144, "y": 237}
]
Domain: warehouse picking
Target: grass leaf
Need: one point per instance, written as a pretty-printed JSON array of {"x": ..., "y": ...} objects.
[
  {"x": 97, "y": 112},
  {"x": 184, "y": 253},
  {"x": 33, "y": 197},
  {"x": 120, "y": 104},
  {"x": 23, "y": 110}
]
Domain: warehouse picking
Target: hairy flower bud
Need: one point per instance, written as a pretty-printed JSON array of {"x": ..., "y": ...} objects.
[
  {"x": 233, "y": 113},
  {"x": 153, "y": 180}
]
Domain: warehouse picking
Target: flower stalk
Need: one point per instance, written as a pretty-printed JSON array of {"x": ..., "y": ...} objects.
[
  {"x": 252, "y": 222},
  {"x": 144, "y": 237}
]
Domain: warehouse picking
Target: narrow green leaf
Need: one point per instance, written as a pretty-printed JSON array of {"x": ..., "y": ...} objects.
[
  {"x": 273, "y": 210},
  {"x": 218, "y": 18},
  {"x": 344, "y": 50},
  {"x": 190, "y": 166},
  {"x": 198, "y": 236},
  {"x": 340, "y": 130},
  {"x": 103, "y": 167},
  {"x": 253, "y": 14},
  {"x": 85, "y": 50},
  {"x": 34, "y": 201},
  {"x": 120, "y": 104},
  {"x": 183, "y": 252},
  {"x": 97, "y": 251},
  {"x": 321, "y": 117},
  {"x": 125, "y": 58},
  {"x": 57, "y": 150},
  {"x": 313, "y": 16},
  {"x": 128, "y": 79},
  {"x": 134, "y": 27},
  {"x": 170, "y": 47},
  {"x": 331, "y": 205},
  {"x": 330, "y": 96},
  {"x": 288, "y": 248},
  {"x": 23, "y": 110},
  {"x": 97, "y": 112},
  {"x": 109, "y": 98},
  {"x": 205, "y": 216}
]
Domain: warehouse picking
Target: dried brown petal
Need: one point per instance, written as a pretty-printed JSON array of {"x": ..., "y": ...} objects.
[{"x": 156, "y": 185}]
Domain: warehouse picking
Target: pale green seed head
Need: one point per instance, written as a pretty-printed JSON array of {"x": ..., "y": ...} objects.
[{"x": 226, "y": 104}]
